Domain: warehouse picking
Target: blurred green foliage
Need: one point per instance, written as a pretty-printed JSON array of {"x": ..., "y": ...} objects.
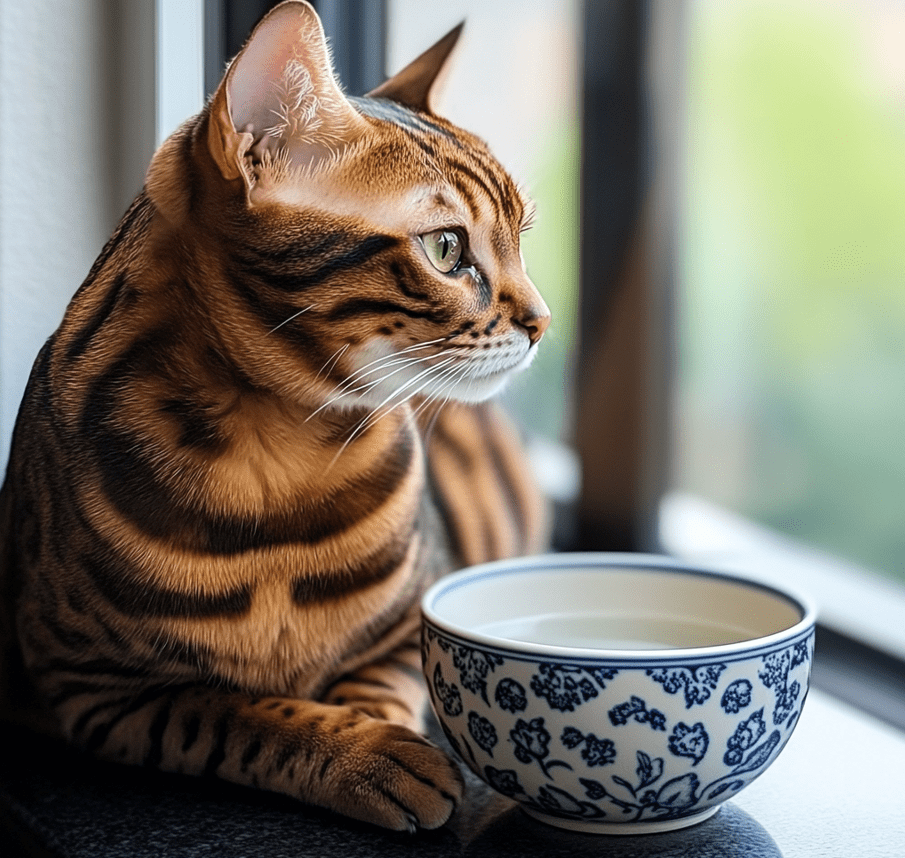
[
  {"x": 792, "y": 345},
  {"x": 541, "y": 396}
]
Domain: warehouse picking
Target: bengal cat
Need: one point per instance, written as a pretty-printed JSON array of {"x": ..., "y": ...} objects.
[{"x": 232, "y": 478}]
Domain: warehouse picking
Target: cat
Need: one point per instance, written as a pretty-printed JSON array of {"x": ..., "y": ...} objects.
[{"x": 263, "y": 428}]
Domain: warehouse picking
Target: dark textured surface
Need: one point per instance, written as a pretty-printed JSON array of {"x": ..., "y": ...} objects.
[{"x": 55, "y": 802}]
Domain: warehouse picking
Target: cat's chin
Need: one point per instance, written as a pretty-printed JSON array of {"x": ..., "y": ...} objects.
[{"x": 477, "y": 390}]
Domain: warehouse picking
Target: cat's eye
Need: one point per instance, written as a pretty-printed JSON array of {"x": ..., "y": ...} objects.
[{"x": 444, "y": 249}]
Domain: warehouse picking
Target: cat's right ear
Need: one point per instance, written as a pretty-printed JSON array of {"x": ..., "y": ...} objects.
[
  {"x": 280, "y": 94},
  {"x": 415, "y": 86}
]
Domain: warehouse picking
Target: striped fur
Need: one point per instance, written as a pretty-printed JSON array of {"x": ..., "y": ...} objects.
[{"x": 235, "y": 468}]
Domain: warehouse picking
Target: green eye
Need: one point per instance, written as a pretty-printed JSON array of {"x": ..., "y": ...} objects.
[{"x": 443, "y": 248}]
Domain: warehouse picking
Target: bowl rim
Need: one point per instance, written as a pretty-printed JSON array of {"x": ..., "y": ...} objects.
[{"x": 616, "y": 561}]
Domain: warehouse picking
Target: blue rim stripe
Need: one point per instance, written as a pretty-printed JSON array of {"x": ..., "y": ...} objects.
[{"x": 624, "y": 662}]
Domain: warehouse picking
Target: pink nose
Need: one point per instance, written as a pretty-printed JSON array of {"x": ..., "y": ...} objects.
[{"x": 535, "y": 322}]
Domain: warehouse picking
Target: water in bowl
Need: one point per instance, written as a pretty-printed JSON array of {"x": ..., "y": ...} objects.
[{"x": 603, "y": 631}]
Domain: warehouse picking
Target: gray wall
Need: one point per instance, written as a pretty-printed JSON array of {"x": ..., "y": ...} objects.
[{"x": 77, "y": 130}]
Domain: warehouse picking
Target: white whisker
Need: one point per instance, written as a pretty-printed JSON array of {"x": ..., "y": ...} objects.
[
  {"x": 387, "y": 361},
  {"x": 431, "y": 369},
  {"x": 333, "y": 361},
  {"x": 453, "y": 376},
  {"x": 375, "y": 415},
  {"x": 391, "y": 360},
  {"x": 425, "y": 372},
  {"x": 368, "y": 385},
  {"x": 453, "y": 380},
  {"x": 397, "y": 354},
  {"x": 293, "y": 316},
  {"x": 446, "y": 381}
]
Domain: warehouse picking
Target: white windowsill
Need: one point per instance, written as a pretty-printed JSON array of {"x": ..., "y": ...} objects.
[
  {"x": 834, "y": 790},
  {"x": 850, "y": 600}
]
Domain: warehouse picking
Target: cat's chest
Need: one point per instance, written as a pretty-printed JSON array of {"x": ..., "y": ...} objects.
[
  {"x": 278, "y": 557},
  {"x": 310, "y": 596},
  {"x": 295, "y": 630},
  {"x": 291, "y": 649}
]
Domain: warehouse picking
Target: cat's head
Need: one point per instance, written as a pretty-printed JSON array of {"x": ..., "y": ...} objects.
[{"x": 368, "y": 250}]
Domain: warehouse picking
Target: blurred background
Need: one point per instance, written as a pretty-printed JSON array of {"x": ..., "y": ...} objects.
[{"x": 791, "y": 312}]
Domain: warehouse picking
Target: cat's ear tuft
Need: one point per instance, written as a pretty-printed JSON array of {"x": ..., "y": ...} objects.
[
  {"x": 418, "y": 82},
  {"x": 280, "y": 94}
]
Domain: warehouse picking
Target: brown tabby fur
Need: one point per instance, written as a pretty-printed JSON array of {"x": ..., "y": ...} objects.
[{"x": 228, "y": 486}]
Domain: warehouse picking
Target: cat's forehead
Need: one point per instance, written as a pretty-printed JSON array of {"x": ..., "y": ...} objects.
[
  {"x": 411, "y": 171},
  {"x": 443, "y": 155},
  {"x": 412, "y": 208}
]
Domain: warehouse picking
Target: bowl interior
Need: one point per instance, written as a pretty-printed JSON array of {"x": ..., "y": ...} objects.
[{"x": 618, "y": 607}]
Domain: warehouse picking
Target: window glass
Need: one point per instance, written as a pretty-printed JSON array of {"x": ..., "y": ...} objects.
[
  {"x": 513, "y": 82},
  {"x": 791, "y": 377}
]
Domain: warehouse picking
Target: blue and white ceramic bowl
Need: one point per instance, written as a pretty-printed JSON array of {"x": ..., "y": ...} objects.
[{"x": 615, "y": 693}]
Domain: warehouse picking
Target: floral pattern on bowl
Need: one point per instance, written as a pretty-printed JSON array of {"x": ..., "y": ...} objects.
[{"x": 582, "y": 742}]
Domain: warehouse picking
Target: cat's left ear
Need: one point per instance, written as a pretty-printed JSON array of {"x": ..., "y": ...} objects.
[
  {"x": 280, "y": 92},
  {"x": 415, "y": 85}
]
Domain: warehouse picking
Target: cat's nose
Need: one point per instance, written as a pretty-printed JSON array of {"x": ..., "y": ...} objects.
[{"x": 535, "y": 322}]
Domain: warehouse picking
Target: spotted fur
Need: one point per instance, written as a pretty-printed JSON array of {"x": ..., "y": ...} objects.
[{"x": 236, "y": 469}]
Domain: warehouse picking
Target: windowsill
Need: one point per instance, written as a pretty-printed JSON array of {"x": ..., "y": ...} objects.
[
  {"x": 850, "y": 600},
  {"x": 834, "y": 789}
]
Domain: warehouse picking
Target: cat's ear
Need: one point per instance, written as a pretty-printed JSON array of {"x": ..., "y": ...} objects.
[
  {"x": 280, "y": 94},
  {"x": 418, "y": 81}
]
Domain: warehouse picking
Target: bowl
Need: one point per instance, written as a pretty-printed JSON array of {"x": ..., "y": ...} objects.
[{"x": 615, "y": 693}]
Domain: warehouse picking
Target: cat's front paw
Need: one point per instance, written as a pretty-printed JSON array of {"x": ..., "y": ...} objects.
[{"x": 393, "y": 777}]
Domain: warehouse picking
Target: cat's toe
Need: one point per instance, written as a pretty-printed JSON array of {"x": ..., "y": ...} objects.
[{"x": 402, "y": 781}]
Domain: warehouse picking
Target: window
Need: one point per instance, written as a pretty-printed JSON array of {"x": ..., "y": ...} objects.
[
  {"x": 788, "y": 396},
  {"x": 740, "y": 365},
  {"x": 618, "y": 118},
  {"x": 791, "y": 379}
]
